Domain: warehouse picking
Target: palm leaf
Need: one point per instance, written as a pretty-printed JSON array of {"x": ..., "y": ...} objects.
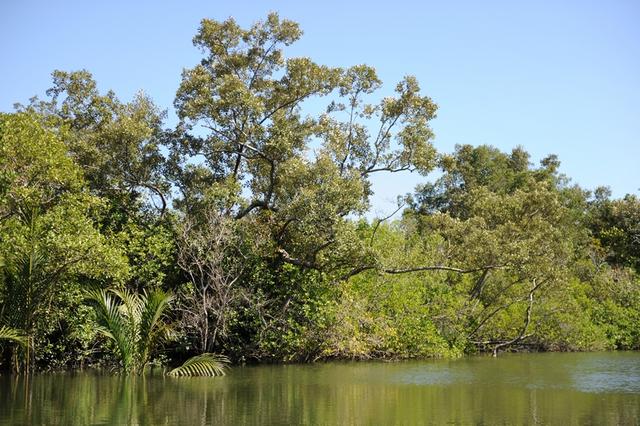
[
  {"x": 134, "y": 321},
  {"x": 202, "y": 365},
  {"x": 8, "y": 333},
  {"x": 150, "y": 324},
  {"x": 113, "y": 324},
  {"x": 132, "y": 303}
]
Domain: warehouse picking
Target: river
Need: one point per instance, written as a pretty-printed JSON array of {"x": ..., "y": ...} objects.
[{"x": 547, "y": 388}]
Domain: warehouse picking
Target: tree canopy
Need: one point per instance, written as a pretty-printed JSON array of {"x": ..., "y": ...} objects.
[{"x": 252, "y": 213}]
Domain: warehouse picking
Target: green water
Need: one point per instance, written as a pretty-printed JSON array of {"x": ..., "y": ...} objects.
[{"x": 554, "y": 389}]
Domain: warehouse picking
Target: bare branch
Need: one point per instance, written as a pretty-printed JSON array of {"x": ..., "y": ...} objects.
[
  {"x": 379, "y": 221},
  {"x": 361, "y": 269},
  {"x": 527, "y": 321}
]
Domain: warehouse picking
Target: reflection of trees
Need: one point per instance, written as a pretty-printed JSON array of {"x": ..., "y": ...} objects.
[{"x": 474, "y": 391}]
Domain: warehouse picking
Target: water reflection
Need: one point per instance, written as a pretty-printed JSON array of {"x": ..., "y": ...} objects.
[{"x": 518, "y": 389}]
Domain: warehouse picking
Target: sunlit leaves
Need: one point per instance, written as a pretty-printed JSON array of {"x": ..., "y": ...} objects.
[
  {"x": 135, "y": 322},
  {"x": 34, "y": 168},
  {"x": 202, "y": 365}
]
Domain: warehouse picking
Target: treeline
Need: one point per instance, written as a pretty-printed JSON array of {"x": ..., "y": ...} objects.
[{"x": 248, "y": 213}]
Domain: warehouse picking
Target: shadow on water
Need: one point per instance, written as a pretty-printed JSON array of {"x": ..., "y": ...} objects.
[{"x": 598, "y": 388}]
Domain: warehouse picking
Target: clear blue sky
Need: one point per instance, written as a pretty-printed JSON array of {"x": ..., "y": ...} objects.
[{"x": 557, "y": 77}]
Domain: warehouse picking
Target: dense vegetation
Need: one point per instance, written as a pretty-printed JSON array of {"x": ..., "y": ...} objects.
[{"x": 241, "y": 230}]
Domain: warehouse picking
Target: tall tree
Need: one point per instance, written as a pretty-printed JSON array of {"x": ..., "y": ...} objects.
[
  {"x": 117, "y": 146},
  {"x": 294, "y": 176}
]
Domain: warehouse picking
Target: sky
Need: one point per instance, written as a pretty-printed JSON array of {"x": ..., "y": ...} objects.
[{"x": 559, "y": 77}]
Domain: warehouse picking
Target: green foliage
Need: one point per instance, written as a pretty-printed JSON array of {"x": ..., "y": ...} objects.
[
  {"x": 47, "y": 229},
  {"x": 563, "y": 321},
  {"x": 616, "y": 225},
  {"x": 202, "y": 365},
  {"x": 116, "y": 144},
  {"x": 392, "y": 317},
  {"x": 35, "y": 172},
  {"x": 395, "y": 316},
  {"x": 614, "y": 305},
  {"x": 8, "y": 333},
  {"x": 292, "y": 323},
  {"x": 251, "y": 212},
  {"x": 150, "y": 249},
  {"x": 134, "y": 322}
]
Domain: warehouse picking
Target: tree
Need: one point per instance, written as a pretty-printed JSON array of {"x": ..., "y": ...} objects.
[
  {"x": 210, "y": 253},
  {"x": 117, "y": 147},
  {"x": 284, "y": 177},
  {"x": 616, "y": 225},
  {"x": 242, "y": 113},
  {"x": 482, "y": 166},
  {"x": 116, "y": 144},
  {"x": 35, "y": 171},
  {"x": 48, "y": 235},
  {"x": 513, "y": 230}
]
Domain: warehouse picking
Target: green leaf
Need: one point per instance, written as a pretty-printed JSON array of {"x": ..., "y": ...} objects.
[
  {"x": 8, "y": 333},
  {"x": 207, "y": 364}
]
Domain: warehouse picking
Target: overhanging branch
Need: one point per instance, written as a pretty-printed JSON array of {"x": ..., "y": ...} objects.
[
  {"x": 254, "y": 205},
  {"x": 442, "y": 268},
  {"x": 398, "y": 271}
]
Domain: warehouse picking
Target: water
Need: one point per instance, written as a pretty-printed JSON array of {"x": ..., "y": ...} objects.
[{"x": 555, "y": 389}]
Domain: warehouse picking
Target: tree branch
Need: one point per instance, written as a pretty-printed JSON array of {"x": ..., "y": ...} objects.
[
  {"x": 159, "y": 194},
  {"x": 441, "y": 268},
  {"x": 294, "y": 261},
  {"x": 527, "y": 321},
  {"x": 361, "y": 269},
  {"x": 254, "y": 205}
]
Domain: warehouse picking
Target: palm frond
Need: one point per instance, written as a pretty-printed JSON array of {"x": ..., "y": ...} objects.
[
  {"x": 134, "y": 321},
  {"x": 206, "y": 364},
  {"x": 8, "y": 333},
  {"x": 113, "y": 324},
  {"x": 150, "y": 325},
  {"x": 131, "y": 307}
]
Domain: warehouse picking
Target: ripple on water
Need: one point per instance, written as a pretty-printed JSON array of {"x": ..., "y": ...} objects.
[{"x": 603, "y": 375}]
